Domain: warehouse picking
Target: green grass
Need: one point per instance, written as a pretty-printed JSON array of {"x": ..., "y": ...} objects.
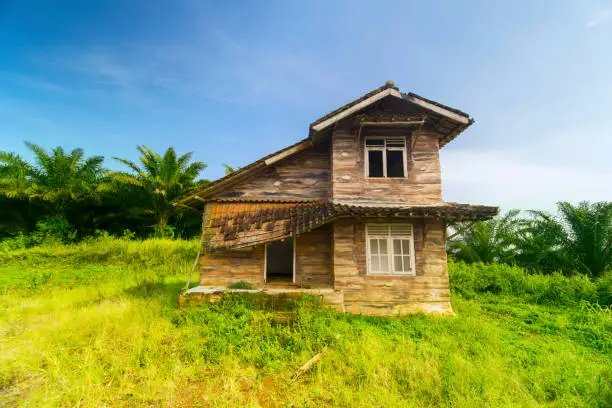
[{"x": 96, "y": 324}]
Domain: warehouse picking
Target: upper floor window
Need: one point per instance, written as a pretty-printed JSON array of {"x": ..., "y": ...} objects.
[{"x": 385, "y": 156}]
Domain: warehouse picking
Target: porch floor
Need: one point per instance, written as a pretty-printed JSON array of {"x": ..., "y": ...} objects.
[
  {"x": 201, "y": 294},
  {"x": 275, "y": 288}
]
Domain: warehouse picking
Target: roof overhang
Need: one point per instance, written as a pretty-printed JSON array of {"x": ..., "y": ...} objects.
[
  {"x": 242, "y": 223},
  {"x": 356, "y": 108},
  {"x": 436, "y": 108},
  {"x": 453, "y": 120}
]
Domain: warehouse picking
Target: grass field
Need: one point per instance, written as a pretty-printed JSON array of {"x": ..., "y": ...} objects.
[{"x": 96, "y": 324}]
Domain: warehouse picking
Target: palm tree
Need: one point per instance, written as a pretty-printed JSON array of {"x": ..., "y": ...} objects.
[
  {"x": 539, "y": 244},
  {"x": 14, "y": 173},
  {"x": 487, "y": 241},
  {"x": 56, "y": 179},
  {"x": 588, "y": 235},
  {"x": 162, "y": 179},
  {"x": 229, "y": 169},
  {"x": 579, "y": 239}
]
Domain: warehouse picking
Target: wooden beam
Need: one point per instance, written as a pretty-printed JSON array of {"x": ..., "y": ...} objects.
[
  {"x": 393, "y": 123},
  {"x": 289, "y": 152},
  {"x": 437, "y": 109},
  {"x": 357, "y": 107}
]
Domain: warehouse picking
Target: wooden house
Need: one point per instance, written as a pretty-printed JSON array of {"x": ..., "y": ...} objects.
[{"x": 354, "y": 211}]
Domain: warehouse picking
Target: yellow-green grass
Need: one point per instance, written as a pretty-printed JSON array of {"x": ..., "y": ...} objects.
[{"x": 96, "y": 324}]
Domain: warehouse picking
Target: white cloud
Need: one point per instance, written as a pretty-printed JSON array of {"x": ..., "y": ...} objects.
[
  {"x": 599, "y": 17},
  {"x": 496, "y": 178}
]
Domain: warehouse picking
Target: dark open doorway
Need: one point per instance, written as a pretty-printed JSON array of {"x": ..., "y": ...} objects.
[{"x": 279, "y": 261}]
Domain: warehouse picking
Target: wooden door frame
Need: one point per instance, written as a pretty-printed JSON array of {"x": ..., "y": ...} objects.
[{"x": 293, "y": 246}]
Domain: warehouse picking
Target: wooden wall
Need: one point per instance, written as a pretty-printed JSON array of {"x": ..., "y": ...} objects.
[
  {"x": 313, "y": 258},
  {"x": 423, "y": 184},
  {"x": 221, "y": 268},
  {"x": 302, "y": 176},
  {"x": 427, "y": 292},
  {"x": 312, "y": 263}
]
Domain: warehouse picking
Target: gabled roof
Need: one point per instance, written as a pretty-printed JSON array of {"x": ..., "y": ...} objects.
[
  {"x": 449, "y": 122},
  {"x": 461, "y": 119}
]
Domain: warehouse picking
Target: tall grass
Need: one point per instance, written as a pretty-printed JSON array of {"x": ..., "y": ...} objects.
[
  {"x": 94, "y": 261},
  {"x": 556, "y": 289},
  {"x": 119, "y": 340}
]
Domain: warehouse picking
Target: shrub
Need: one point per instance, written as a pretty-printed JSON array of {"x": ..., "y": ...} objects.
[
  {"x": 604, "y": 289},
  {"x": 240, "y": 285},
  {"x": 53, "y": 231},
  {"x": 478, "y": 278},
  {"x": 559, "y": 289},
  {"x": 19, "y": 241}
]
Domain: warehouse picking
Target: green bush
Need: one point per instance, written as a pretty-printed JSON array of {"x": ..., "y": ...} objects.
[
  {"x": 53, "y": 231},
  {"x": 604, "y": 289},
  {"x": 19, "y": 241},
  {"x": 556, "y": 289}
]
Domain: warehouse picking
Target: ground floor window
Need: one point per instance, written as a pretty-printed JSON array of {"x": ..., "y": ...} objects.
[{"x": 390, "y": 249}]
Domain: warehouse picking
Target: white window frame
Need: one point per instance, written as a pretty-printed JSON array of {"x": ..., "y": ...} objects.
[
  {"x": 389, "y": 236},
  {"x": 384, "y": 148}
]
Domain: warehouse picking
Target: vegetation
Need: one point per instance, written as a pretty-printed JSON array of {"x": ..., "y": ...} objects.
[
  {"x": 578, "y": 240},
  {"x": 96, "y": 324},
  {"x": 229, "y": 169},
  {"x": 72, "y": 189},
  {"x": 162, "y": 179}
]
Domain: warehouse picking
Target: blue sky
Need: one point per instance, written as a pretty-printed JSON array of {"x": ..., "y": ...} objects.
[{"x": 233, "y": 81}]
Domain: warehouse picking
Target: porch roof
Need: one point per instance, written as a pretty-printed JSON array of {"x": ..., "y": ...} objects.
[{"x": 238, "y": 224}]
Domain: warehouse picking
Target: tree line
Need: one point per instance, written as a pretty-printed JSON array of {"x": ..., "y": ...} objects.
[
  {"x": 70, "y": 195},
  {"x": 578, "y": 239}
]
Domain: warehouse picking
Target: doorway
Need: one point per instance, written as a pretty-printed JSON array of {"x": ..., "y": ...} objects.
[{"x": 279, "y": 263}]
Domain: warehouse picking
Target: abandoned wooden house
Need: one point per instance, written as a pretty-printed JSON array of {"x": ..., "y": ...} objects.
[{"x": 353, "y": 212}]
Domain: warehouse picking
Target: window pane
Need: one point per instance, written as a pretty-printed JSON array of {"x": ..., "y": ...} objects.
[
  {"x": 395, "y": 163},
  {"x": 407, "y": 266},
  {"x": 383, "y": 246},
  {"x": 397, "y": 264},
  {"x": 397, "y": 246},
  {"x": 374, "y": 263},
  {"x": 384, "y": 263},
  {"x": 375, "y": 142},
  {"x": 375, "y": 161},
  {"x": 406, "y": 246},
  {"x": 373, "y": 246}
]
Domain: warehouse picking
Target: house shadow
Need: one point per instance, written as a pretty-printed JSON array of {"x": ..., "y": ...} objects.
[{"x": 156, "y": 289}]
